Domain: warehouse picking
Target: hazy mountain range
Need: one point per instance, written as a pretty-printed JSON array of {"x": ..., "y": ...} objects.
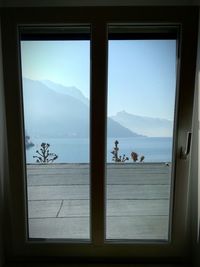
[
  {"x": 151, "y": 127},
  {"x": 70, "y": 90},
  {"x": 53, "y": 110}
]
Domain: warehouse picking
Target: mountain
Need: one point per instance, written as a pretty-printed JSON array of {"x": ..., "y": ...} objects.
[
  {"x": 151, "y": 127},
  {"x": 66, "y": 90},
  {"x": 116, "y": 130},
  {"x": 49, "y": 113}
]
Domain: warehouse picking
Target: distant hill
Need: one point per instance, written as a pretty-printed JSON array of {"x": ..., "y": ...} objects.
[
  {"x": 60, "y": 112},
  {"x": 116, "y": 130},
  {"x": 66, "y": 90},
  {"x": 152, "y": 127}
]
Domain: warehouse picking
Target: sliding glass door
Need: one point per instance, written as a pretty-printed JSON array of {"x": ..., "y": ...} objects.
[
  {"x": 98, "y": 109},
  {"x": 56, "y": 101},
  {"x": 140, "y": 123}
]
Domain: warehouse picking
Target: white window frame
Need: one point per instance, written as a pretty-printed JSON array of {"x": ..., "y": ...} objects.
[{"x": 98, "y": 18}]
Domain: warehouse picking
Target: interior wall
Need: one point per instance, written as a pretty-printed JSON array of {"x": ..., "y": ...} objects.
[
  {"x": 194, "y": 214},
  {"x": 3, "y": 168},
  {"x": 195, "y": 172},
  {"x": 198, "y": 185},
  {"x": 14, "y": 3},
  {"x": 194, "y": 190},
  {"x": 197, "y": 250}
]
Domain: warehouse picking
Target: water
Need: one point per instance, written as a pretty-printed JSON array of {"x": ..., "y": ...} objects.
[{"x": 76, "y": 150}]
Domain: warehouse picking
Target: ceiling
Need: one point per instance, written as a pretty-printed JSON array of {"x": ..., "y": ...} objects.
[{"x": 29, "y": 3}]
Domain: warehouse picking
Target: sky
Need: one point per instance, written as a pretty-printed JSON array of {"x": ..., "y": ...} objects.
[{"x": 141, "y": 73}]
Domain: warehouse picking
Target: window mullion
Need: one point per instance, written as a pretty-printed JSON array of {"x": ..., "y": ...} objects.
[{"x": 98, "y": 129}]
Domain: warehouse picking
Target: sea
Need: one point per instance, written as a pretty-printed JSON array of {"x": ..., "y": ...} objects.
[{"x": 76, "y": 150}]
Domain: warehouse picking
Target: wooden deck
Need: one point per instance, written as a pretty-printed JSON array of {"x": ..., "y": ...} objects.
[{"x": 137, "y": 201}]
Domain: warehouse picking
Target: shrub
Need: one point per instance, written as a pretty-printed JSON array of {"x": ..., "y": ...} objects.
[
  {"x": 44, "y": 156},
  {"x": 115, "y": 152}
]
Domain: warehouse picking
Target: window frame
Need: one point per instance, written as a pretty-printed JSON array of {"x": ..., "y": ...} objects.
[
  {"x": 61, "y": 33},
  {"x": 98, "y": 18},
  {"x": 154, "y": 32}
]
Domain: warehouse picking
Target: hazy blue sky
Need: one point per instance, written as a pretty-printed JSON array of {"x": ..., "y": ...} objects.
[{"x": 141, "y": 75}]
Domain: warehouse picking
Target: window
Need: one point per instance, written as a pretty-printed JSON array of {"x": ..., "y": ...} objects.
[
  {"x": 133, "y": 213},
  {"x": 142, "y": 72},
  {"x": 56, "y": 116}
]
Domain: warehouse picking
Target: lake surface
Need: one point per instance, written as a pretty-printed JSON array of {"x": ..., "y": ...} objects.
[{"x": 76, "y": 150}]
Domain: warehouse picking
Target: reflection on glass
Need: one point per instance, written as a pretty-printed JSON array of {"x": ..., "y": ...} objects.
[
  {"x": 55, "y": 77},
  {"x": 141, "y": 101}
]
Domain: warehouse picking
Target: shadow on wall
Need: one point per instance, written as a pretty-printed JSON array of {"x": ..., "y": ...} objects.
[
  {"x": 194, "y": 170},
  {"x": 2, "y": 157},
  {"x": 1, "y": 223}
]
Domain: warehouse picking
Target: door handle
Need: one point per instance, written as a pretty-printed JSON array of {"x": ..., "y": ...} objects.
[{"x": 185, "y": 152}]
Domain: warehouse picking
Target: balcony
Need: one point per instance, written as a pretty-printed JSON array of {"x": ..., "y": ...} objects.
[{"x": 137, "y": 200}]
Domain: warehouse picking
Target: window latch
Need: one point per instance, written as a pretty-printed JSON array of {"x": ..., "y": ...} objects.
[{"x": 184, "y": 153}]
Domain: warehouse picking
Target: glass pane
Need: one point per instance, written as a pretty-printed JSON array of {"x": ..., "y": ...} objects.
[
  {"x": 141, "y": 104},
  {"x": 56, "y": 95}
]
